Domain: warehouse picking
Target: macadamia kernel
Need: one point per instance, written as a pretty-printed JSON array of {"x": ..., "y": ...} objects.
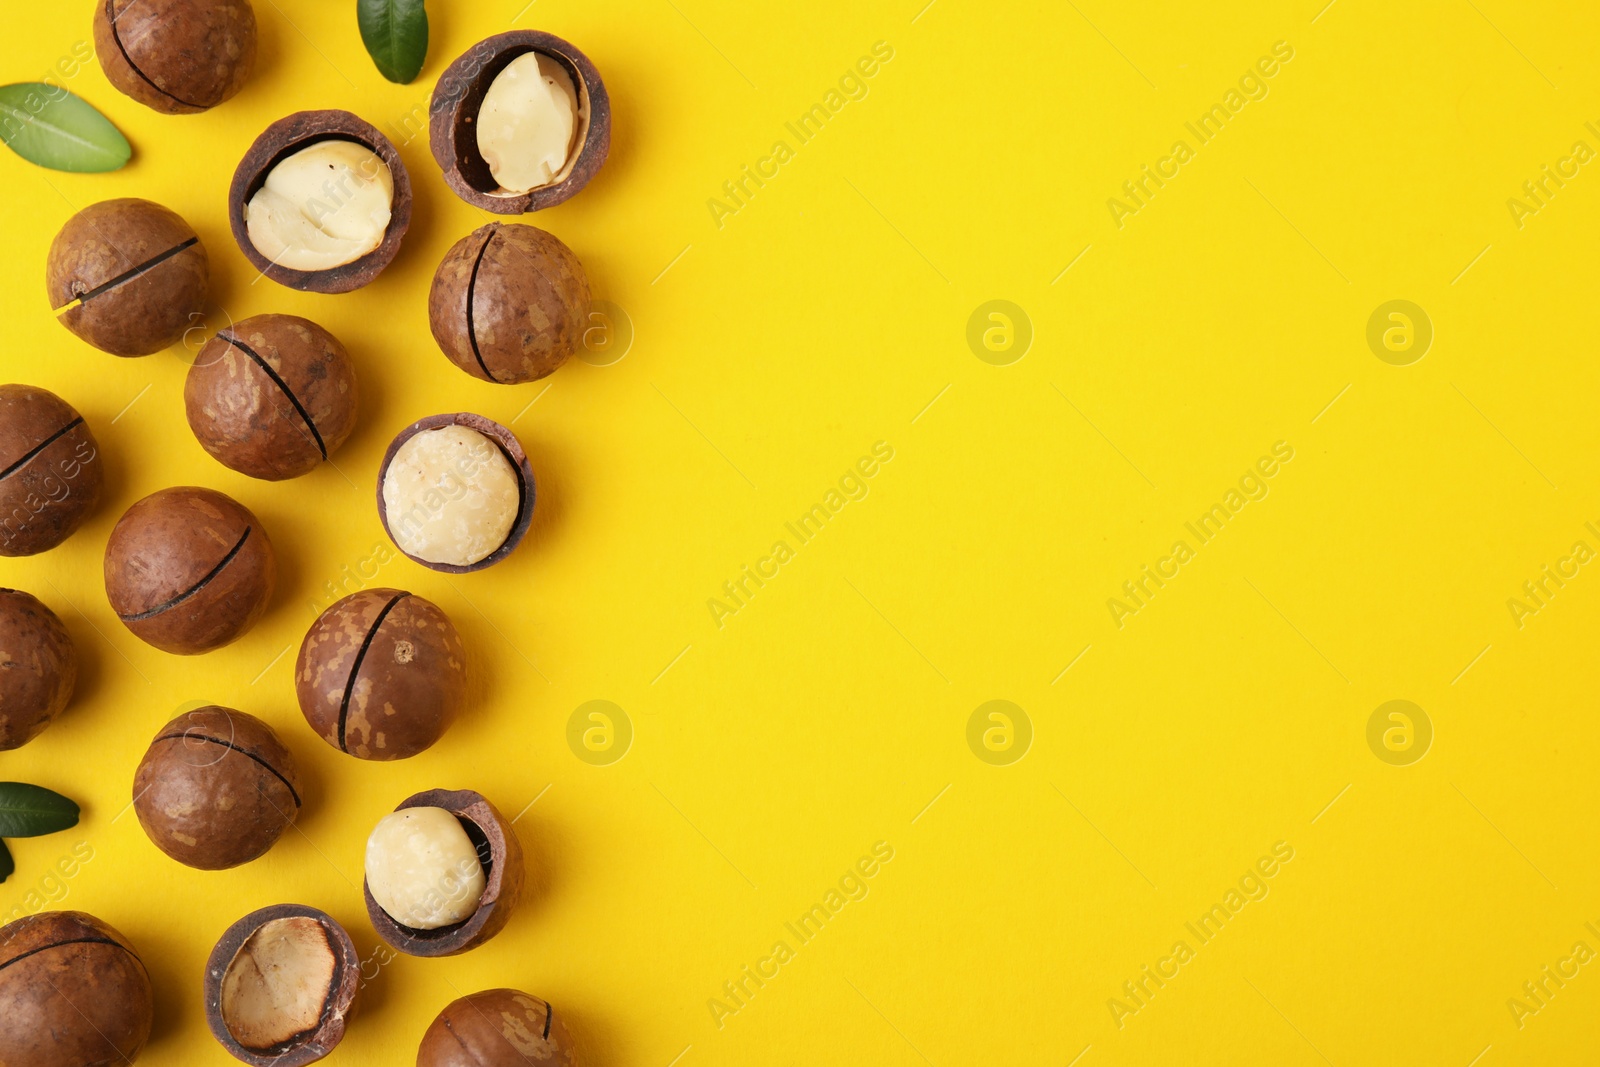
[
  {"x": 526, "y": 123},
  {"x": 322, "y": 207},
  {"x": 451, "y": 496},
  {"x": 423, "y": 870}
]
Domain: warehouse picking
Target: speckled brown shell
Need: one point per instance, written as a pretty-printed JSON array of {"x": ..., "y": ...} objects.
[
  {"x": 497, "y": 1028},
  {"x": 458, "y": 97},
  {"x": 189, "y": 570},
  {"x": 283, "y": 139},
  {"x": 381, "y": 674},
  {"x": 272, "y": 396},
  {"x": 509, "y": 303},
  {"x": 216, "y": 788},
  {"x": 72, "y": 991},
  {"x": 50, "y": 470},
  {"x": 176, "y": 56},
  {"x": 128, "y": 276},
  {"x": 38, "y": 668},
  {"x": 501, "y": 855},
  {"x": 337, "y": 1010},
  {"x": 509, "y": 446}
]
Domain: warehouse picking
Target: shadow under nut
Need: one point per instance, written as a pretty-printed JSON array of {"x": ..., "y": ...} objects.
[
  {"x": 272, "y": 396},
  {"x": 177, "y": 57},
  {"x": 509, "y": 303},
  {"x": 381, "y": 674},
  {"x": 50, "y": 470},
  {"x": 188, "y": 570}
]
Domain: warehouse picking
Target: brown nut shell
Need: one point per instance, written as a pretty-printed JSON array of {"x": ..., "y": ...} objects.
[
  {"x": 38, "y": 668},
  {"x": 128, "y": 276},
  {"x": 497, "y": 1028},
  {"x": 50, "y": 470},
  {"x": 458, "y": 97},
  {"x": 280, "y": 986},
  {"x": 509, "y": 303},
  {"x": 189, "y": 570},
  {"x": 72, "y": 991},
  {"x": 283, "y": 139},
  {"x": 501, "y": 855},
  {"x": 176, "y": 56},
  {"x": 509, "y": 446},
  {"x": 216, "y": 788},
  {"x": 381, "y": 674},
  {"x": 272, "y": 396}
]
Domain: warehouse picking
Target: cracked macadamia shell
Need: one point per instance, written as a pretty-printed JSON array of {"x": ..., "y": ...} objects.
[
  {"x": 216, "y": 788},
  {"x": 381, "y": 674},
  {"x": 128, "y": 276},
  {"x": 176, "y": 56},
  {"x": 189, "y": 570},
  {"x": 509, "y": 303},
  {"x": 50, "y": 470},
  {"x": 73, "y": 992},
  {"x": 272, "y": 396},
  {"x": 497, "y": 1028},
  {"x": 500, "y": 857},
  {"x": 287, "y": 138},
  {"x": 38, "y": 668},
  {"x": 458, "y": 112},
  {"x": 280, "y": 986}
]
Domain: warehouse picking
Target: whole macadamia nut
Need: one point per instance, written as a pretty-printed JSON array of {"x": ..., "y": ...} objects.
[
  {"x": 189, "y": 570},
  {"x": 72, "y": 992},
  {"x": 128, "y": 276},
  {"x": 176, "y": 56},
  {"x": 509, "y": 303},
  {"x": 50, "y": 471},
  {"x": 497, "y": 1028},
  {"x": 216, "y": 788},
  {"x": 272, "y": 396},
  {"x": 38, "y": 668},
  {"x": 381, "y": 674}
]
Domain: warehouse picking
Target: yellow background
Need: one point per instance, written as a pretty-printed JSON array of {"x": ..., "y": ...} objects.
[{"x": 827, "y": 714}]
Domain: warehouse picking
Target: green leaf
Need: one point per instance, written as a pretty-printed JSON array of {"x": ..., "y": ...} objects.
[
  {"x": 7, "y": 865},
  {"x": 49, "y": 126},
  {"x": 30, "y": 810},
  {"x": 396, "y": 35}
]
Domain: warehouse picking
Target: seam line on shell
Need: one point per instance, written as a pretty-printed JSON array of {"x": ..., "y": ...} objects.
[
  {"x": 305, "y": 415},
  {"x": 111, "y": 19},
  {"x": 68, "y": 941},
  {"x": 549, "y": 1013},
  {"x": 355, "y": 668},
  {"x": 229, "y": 744},
  {"x": 140, "y": 616},
  {"x": 128, "y": 275},
  {"x": 472, "y": 287},
  {"x": 40, "y": 447}
]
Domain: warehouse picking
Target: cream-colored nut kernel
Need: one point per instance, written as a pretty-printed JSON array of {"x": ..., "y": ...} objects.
[
  {"x": 450, "y": 496},
  {"x": 322, "y": 207},
  {"x": 526, "y": 123},
  {"x": 422, "y": 868}
]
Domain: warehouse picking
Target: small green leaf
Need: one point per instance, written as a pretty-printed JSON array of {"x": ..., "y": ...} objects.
[
  {"x": 30, "y": 810},
  {"x": 396, "y": 35},
  {"x": 49, "y": 126},
  {"x": 7, "y": 864}
]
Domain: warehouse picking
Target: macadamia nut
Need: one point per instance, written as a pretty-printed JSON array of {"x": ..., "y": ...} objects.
[
  {"x": 322, "y": 207},
  {"x": 451, "y": 496},
  {"x": 526, "y": 124},
  {"x": 423, "y": 869}
]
